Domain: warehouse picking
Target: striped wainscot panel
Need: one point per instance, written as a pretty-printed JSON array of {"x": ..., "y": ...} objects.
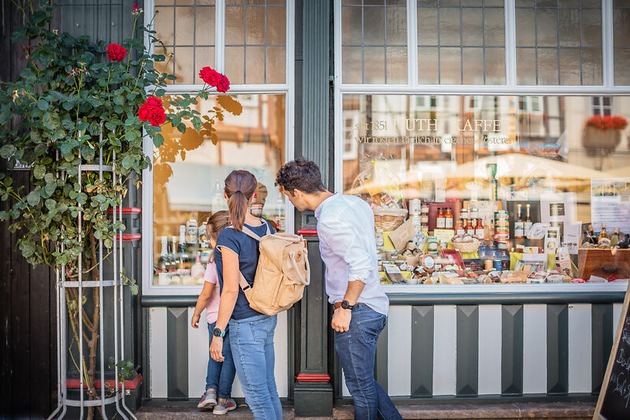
[
  {"x": 178, "y": 355},
  {"x": 495, "y": 349}
]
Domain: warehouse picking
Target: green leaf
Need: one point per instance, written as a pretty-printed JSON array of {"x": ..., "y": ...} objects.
[
  {"x": 158, "y": 140},
  {"x": 33, "y": 198},
  {"x": 82, "y": 198},
  {"x": 82, "y": 126},
  {"x": 27, "y": 248},
  {"x": 7, "y": 151},
  {"x": 119, "y": 100},
  {"x": 128, "y": 162},
  {"x": 50, "y": 188},
  {"x": 43, "y": 105}
]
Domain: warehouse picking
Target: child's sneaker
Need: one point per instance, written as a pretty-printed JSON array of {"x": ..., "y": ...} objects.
[
  {"x": 208, "y": 399},
  {"x": 223, "y": 407}
]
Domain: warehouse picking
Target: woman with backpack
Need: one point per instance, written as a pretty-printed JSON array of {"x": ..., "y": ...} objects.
[{"x": 251, "y": 333}]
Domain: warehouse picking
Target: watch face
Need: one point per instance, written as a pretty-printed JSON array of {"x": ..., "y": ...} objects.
[
  {"x": 217, "y": 332},
  {"x": 346, "y": 305}
]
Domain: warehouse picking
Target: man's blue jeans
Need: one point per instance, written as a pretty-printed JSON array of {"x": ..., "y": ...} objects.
[
  {"x": 356, "y": 349},
  {"x": 220, "y": 375},
  {"x": 252, "y": 348}
]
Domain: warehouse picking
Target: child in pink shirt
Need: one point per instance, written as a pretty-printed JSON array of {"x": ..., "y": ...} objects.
[{"x": 220, "y": 375}]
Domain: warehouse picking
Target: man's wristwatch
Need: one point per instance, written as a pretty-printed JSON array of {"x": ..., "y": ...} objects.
[
  {"x": 218, "y": 333},
  {"x": 346, "y": 305}
]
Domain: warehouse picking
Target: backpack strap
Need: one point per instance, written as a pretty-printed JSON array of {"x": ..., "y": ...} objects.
[
  {"x": 245, "y": 286},
  {"x": 247, "y": 231}
]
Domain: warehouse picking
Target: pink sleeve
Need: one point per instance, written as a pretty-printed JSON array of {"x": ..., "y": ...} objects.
[{"x": 211, "y": 273}]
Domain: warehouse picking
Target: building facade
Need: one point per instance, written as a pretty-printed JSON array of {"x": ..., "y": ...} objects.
[{"x": 447, "y": 106}]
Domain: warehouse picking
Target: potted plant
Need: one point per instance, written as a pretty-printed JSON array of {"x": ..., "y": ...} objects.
[
  {"x": 602, "y": 133},
  {"x": 77, "y": 104}
]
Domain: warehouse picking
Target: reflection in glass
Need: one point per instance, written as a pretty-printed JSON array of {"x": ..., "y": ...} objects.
[
  {"x": 189, "y": 171},
  {"x": 403, "y": 144}
]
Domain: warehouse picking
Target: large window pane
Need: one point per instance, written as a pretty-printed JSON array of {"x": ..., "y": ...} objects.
[
  {"x": 452, "y": 28},
  {"x": 437, "y": 149},
  {"x": 621, "y": 17},
  {"x": 187, "y": 31},
  {"x": 251, "y": 30},
  {"x": 375, "y": 34},
  {"x": 548, "y": 30},
  {"x": 189, "y": 173}
]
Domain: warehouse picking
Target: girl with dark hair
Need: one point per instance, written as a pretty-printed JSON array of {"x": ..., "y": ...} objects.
[{"x": 251, "y": 333}]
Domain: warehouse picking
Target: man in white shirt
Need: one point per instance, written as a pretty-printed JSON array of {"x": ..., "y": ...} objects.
[{"x": 345, "y": 227}]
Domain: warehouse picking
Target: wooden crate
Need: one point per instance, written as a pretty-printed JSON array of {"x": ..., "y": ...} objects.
[{"x": 590, "y": 260}]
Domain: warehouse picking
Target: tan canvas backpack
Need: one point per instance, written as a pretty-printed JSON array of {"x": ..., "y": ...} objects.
[{"x": 282, "y": 274}]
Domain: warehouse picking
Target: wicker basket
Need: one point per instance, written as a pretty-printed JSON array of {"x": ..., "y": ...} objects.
[
  {"x": 388, "y": 219},
  {"x": 466, "y": 247}
]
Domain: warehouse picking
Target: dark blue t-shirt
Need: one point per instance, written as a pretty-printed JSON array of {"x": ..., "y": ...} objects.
[{"x": 247, "y": 250}]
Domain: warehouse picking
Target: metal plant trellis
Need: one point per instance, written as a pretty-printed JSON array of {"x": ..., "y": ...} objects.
[{"x": 116, "y": 285}]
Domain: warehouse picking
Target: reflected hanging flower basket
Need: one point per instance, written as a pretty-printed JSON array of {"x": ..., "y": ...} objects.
[{"x": 602, "y": 134}]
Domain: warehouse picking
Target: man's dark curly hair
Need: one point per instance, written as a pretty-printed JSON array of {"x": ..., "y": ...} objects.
[{"x": 300, "y": 174}]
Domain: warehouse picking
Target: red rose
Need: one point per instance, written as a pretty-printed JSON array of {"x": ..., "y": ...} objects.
[
  {"x": 152, "y": 111},
  {"x": 210, "y": 76},
  {"x": 224, "y": 84},
  {"x": 116, "y": 52},
  {"x": 157, "y": 116},
  {"x": 153, "y": 101}
]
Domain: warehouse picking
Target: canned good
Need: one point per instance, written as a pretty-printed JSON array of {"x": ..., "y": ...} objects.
[
  {"x": 498, "y": 265},
  {"x": 191, "y": 231},
  {"x": 501, "y": 237}
]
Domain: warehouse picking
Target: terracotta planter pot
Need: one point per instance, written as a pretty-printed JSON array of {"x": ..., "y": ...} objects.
[{"x": 595, "y": 139}]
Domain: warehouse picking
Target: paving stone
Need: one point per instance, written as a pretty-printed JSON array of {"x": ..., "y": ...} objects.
[{"x": 187, "y": 410}]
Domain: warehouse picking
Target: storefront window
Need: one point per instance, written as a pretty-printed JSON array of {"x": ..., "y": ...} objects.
[
  {"x": 510, "y": 174},
  {"x": 254, "y": 50},
  {"x": 188, "y": 180}
]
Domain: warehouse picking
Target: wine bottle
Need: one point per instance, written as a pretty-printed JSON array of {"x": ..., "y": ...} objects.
[
  {"x": 162, "y": 262},
  {"x": 519, "y": 223},
  {"x": 527, "y": 224}
]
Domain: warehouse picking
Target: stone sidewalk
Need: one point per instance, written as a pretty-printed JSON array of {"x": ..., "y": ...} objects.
[{"x": 453, "y": 409}]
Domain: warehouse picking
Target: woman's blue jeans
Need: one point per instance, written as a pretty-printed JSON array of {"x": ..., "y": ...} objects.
[
  {"x": 356, "y": 349},
  {"x": 220, "y": 375},
  {"x": 252, "y": 348}
]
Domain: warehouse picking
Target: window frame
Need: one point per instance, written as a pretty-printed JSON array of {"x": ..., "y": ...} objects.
[{"x": 287, "y": 89}]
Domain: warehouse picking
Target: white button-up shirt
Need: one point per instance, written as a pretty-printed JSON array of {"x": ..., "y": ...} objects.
[{"x": 345, "y": 226}]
